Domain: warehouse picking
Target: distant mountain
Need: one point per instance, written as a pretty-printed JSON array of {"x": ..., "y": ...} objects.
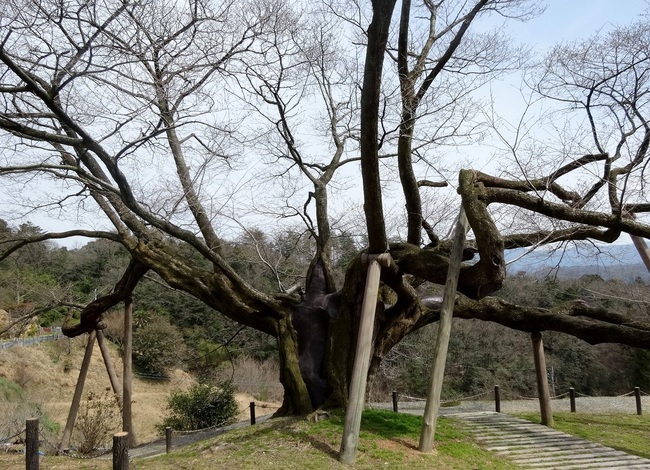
[{"x": 621, "y": 262}]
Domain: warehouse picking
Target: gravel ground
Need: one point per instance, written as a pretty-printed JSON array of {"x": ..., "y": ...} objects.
[{"x": 625, "y": 404}]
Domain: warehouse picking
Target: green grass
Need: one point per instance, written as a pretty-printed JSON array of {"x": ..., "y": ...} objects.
[
  {"x": 387, "y": 441},
  {"x": 628, "y": 433},
  {"x": 10, "y": 391}
]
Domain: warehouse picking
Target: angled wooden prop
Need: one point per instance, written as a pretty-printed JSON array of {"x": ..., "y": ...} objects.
[
  {"x": 76, "y": 399},
  {"x": 356, "y": 397},
  {"x": 432, "y": 406}
]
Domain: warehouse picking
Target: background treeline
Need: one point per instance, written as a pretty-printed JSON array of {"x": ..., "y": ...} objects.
[{"x": 42, "y": 283}]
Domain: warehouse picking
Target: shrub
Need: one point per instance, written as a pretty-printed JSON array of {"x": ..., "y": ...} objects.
[
  {"x": 201, "y": 407},
  {"x": 97, "y": 420},
  {"x": 157, "y": 346}
]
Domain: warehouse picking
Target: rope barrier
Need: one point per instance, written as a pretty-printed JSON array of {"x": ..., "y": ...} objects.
[
  {"x": 194, "y": 431},
  {"x": 449, "y": 400},
  {"x": 520, "y": 397},
  {"x": 404, "y": 397}
]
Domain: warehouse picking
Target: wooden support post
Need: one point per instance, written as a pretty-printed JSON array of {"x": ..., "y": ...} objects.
[
  {"x": 357, "y": 392},
  {"x": 395, "y": 406},
  {"x": 572, "y": 397},
  {"x": 542, "y": 379},
  {"x": 252, "y": 412},
  {"x": 643, "y": 250},
  {"x": 168, "y": 439},
  {"x": 121, "y": 451},
  {"x": 110, "y": 369},
  {"x": 497, "y": 399},
  {"x": 127, "y": 374},
  {"x": 76, "y": 398},
  {"x": 637, "y": 395},
  {"x": 430, "y": 417},
  {"x": 31, "y": 444}
]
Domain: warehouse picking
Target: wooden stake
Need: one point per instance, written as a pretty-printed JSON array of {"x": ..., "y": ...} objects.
[
  {"x": 127, "y": 375},
  {"x": 31, "y": 444},
  {"x": 121, "y": 451},
  {"x": 357, "y": 393},
  {"x": 110, "y": 369},
  {"x": 542, "y": 379},
  {"x": 76, "y": 399},
  {"x": 432, "y": 406}
]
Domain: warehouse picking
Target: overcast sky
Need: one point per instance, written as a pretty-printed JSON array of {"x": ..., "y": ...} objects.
[
  {"x": 563, "y": 20},
  {"x": 567, "y": 20}
]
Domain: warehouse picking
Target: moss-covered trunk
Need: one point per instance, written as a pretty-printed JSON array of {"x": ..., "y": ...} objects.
[{"x": 296, "y": 397}]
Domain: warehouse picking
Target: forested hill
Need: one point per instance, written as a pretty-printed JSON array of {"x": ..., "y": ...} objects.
[{"x": 618, "y": 262}]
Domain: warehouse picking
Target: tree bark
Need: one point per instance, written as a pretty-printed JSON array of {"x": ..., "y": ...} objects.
[{"x": 370, "y": 97}]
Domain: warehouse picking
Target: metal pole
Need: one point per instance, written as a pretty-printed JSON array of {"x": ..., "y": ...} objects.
[
  {"x": 572, "y": 397},
  {"x": 395, "y": 402},
  {"x": 497, "y": 399},
  {"x": 637, "y": 395},
  {"x": 252, "y": 412}
]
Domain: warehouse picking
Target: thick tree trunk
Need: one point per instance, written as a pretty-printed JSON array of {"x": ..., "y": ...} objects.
[{"x": 296, "y": 396}]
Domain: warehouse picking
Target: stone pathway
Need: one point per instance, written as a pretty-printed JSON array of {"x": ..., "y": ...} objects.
[{"x": 533, "y": 446}]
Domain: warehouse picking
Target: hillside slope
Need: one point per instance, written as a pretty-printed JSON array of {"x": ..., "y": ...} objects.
[{"x": 48, "y": 374}]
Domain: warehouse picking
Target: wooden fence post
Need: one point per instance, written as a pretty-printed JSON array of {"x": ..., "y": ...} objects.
[
  {"x": 572, "y": 397},
  {"x": 542, "y": 379},
  {"x": 121, "y": 451},
  {"x": 637, "y": 395},
  {"x": 358, "y": 382},
  {"x": 252, "y": 406},
  {"x": 31, "y": 444},
  {"x": 430, "y": 417},
  {"x": 168, "y": 440},
  {"x": 76, "y": 398},
  {"x": 395, "y": 407},
  {"x": 497, "y": 399}
]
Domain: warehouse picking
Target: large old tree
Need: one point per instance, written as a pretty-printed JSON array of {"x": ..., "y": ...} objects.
[{"x": 148, "y": 114}]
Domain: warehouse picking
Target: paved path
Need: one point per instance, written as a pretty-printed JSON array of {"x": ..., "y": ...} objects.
[
  {"x": 533, "y": 446},
  {"x": 158, "y": 447}
]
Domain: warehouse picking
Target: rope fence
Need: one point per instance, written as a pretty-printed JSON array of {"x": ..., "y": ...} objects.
[
  {"x": 32, "y": 441},
  {"x": 398, "y": 398}
]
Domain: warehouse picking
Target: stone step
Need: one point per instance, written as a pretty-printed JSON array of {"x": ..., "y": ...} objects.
[
  {"x": 569, "y": 456},
  {"x": 533, "y": 446}
]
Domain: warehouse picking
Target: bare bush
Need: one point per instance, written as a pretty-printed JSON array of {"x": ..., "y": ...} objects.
[
  {"x": 24, "y": 374},
  {"x": 257, "y": 378},
  {"x": 114, "y": 322},
  {"x": 98, "y": 419}
]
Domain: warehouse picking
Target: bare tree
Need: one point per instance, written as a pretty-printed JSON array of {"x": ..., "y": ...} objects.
[{"x": 130, "y": 110}]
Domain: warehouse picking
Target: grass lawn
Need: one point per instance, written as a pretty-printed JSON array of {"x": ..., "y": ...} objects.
[
  {"x": 388, "y": 440},
  {"x": 629, "y": 433}
]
